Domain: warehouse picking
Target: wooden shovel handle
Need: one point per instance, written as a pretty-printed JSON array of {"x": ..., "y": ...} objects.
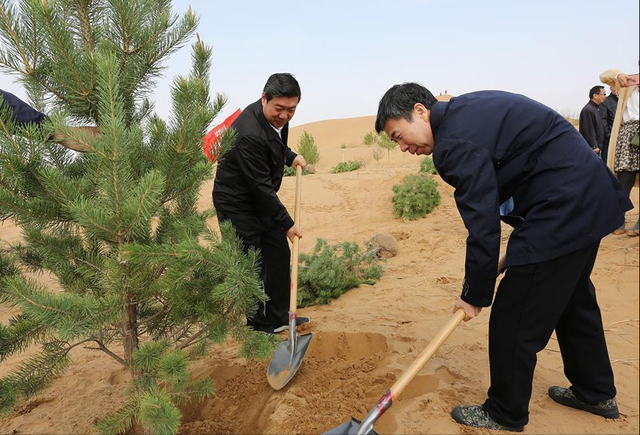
[
  {"x": 432, "y": 348},
  {"x": 427, "y": 353},
  {"x": 613, "y": 138},
  {"x": 293, "y": 301}
]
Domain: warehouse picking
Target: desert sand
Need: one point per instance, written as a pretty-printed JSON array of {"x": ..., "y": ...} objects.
[{"x": 365, "y": 339}]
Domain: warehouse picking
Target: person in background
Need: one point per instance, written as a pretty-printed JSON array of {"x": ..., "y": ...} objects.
[
  {"x": 245, "y": 192},
  {"x": 24, "y": 114},
  {"x": 491, "y": 146},
  {"x": 591, "y": 124},
  {"x": 610, "y": 104},
  {"x": 626, "y": 160}
]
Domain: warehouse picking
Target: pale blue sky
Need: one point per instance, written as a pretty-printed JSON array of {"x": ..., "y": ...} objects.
[{"x": 346, "y": 54}]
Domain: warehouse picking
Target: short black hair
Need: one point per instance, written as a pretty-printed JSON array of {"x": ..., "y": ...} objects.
[
  {"x": 282, "y": 85},
  {"x": 398, "y": 102},
  {"x": 595, "y": 91}
]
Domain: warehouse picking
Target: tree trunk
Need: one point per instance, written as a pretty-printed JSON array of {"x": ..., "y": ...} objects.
[{"x": 130, "y": 328}]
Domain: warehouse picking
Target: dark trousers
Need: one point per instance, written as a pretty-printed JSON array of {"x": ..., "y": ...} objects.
[
  {"x": 275, "y": 257},
  {"x": 533, "y": 300},
  {"x": 627, "y": 179},
  {"x": 605, "y": 149}
]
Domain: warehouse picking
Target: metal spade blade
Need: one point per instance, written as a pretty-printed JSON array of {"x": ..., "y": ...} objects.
[
  {"x": 350, "y": 427},
  {"x": 287, "y": 358}
]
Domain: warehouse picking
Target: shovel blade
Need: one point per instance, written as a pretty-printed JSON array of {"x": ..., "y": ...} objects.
[
  {"x": 286, "y": 362},
  {"x": 350, "y": 427}
]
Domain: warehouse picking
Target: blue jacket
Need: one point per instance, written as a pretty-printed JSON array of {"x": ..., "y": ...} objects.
[
  {"x": 22, "y": 112},
  {"x": 493, "y": 145}
]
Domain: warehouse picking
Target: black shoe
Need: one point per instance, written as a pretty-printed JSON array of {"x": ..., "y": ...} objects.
[
  {"x": 261, "y": 328},
  {"x": 299, "y": 321},
  {"x": 476, "y": 416},
  {"x": 564, "y": 396}
]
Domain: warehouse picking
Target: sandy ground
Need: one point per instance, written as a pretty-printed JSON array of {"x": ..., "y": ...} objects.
[{"x": 364, "y": 340}]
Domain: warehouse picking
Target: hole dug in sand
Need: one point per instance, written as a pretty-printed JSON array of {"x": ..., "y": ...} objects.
[{"x": 340, "y": 377}]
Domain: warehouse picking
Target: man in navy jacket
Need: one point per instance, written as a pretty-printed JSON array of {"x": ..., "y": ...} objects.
[
  {"x": 23, "y": 114},
  {"x": 245, "y": 192},
  {"x": 492, "y": 146}
]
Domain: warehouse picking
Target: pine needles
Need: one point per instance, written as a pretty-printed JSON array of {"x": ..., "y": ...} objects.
[
  {"x": 332, "y": 270},
  {"x": 117, "y": 226}
]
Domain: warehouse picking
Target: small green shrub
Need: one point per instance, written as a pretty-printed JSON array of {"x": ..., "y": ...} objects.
[
  {"x": 291, "y": 172},
  {"x": 348, "y": 166},
  {"x": 343, "y": 146},
  {"x": 308, "y": 149},
  {"x": 427, "y": 166},
  {"x": 333, "y": 270},
  {"x": 415, "y": 197}
]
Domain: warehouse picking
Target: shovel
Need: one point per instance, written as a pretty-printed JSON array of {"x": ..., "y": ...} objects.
[
  {"x": 288, "y": 355},
  {"x": 355, "y": 426}
]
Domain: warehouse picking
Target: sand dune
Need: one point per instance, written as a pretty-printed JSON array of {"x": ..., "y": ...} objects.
[{"x": 364, "y": 340}]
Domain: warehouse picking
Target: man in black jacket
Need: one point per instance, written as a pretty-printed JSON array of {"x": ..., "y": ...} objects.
[
  {"x": 492, "y": 146},
  {"x": 591, "y": 119},
  {"x": 245, "y": 192}
]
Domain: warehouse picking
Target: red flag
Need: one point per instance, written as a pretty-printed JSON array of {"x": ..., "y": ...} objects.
[{"x": 211, "y": 141}]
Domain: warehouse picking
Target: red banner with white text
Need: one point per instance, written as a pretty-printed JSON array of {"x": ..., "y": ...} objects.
[{"x": 211, "y": 141}]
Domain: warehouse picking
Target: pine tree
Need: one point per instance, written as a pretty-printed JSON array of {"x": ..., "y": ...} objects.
[
  {"x": 427, "y": 166},
  {"x": 379, "y": 142},
  {"x": 369, "y": 139},
  {"x": 332, "y": 270},
  {"x": 308, "y": 149},
  {"x": 386, "y": 143},
  {"x": 117, "y": 226},
  {"x": 415, "y": 197}
]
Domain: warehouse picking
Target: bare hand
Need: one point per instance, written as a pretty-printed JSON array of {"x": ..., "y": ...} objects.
[
  {"x": 596, "y": 150},
  {"x": 625, "y": 80},
  {"x": 294, "y": 231},
  {"x": 72, "y": 144},
  {"x": 299, "y": 161},
  {"x": 470, "y": 311}
]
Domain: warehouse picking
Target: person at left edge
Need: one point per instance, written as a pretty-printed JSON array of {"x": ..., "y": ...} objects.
[
  {"x": 245, "y": 192},
  {"x": 24, "y": 114}
]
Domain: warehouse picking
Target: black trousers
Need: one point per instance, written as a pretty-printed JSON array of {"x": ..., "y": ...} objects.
[
  {"x": 275, "y": 257},
  {"x": 533, "y": 300}
]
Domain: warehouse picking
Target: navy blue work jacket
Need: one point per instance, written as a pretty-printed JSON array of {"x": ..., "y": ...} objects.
[
  {"x": 494, "y": 145},
  {"x": 22, "y": 112}
]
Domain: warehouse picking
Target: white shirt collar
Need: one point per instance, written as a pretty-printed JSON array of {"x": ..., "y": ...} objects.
[{"x": 278, "y": 130}]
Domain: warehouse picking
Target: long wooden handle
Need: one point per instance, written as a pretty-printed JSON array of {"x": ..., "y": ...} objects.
[
  {"x": 501, "y": 263},
  {"x": 293, "y": 301},
  {"x": 617, "y": 123},
  {"x": 432, "y": 348},
  {"x": 427, "y": 353}
]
